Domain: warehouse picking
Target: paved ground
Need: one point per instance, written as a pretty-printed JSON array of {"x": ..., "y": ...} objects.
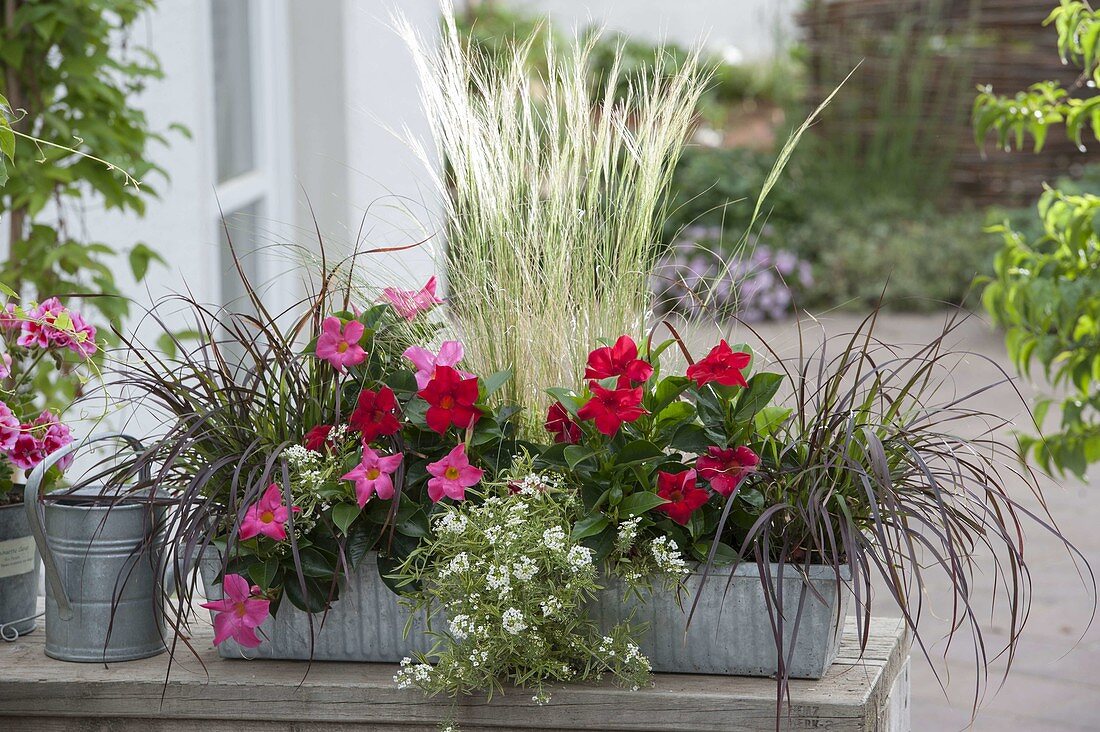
[{"x": 1054, "y": 684}]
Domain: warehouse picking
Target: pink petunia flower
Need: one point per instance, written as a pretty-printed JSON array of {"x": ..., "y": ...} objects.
[
  {"x": 339, "y": 343},
  {"x": 239, "y": 612},
  {"x": 10, "y": 429},
  {"x": 426, "y": 362},
  {"x": 410, "y": 303},
  {"x": 37, "y": 328},
  {"x": 55, "y": 437},
  {"x": 40, "y": 329},
  {"x": 452, "y": 476},
  {"x": 372, "y": 476},
  {"x": 267, "y": 516},
  {"x": 8, "y": 319},
  {"x": 78, "y": 338},
  {"x": 27, "y": 452}
]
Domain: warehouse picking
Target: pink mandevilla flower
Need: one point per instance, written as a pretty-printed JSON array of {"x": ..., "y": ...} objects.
[
  {"x": 339, "y": 343},
  {"x": 239, "y": 612},
  {"x": 372, "y": 476},
  {"x": 410, "y": 303},
  {"x": 426, "y": 362},
  {"x": 452, "y": 476},
  {"x": 267, "y": 516}
]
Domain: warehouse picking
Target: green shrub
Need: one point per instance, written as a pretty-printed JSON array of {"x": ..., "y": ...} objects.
[{"x": 923, "y": 259}]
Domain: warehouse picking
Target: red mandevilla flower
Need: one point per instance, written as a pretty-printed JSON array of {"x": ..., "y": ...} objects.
[
  {"x": 726, "y": 467},
  {"x": 723, "y": 365},
  {"x": 375, "y": 414},
  {"x": 611, "y": 407},
  {"x": 683, "y": 497},
  {"x": 451, "y": 399},
  {"x": 316, "y": 440},
  {"x": 620, "y": 359},
  {"x": 561, "y": 425}
]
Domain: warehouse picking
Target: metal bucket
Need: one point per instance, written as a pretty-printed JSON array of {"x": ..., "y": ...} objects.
[
  {"x": 19, "y": 565},
  {"x": 102, "y": 560}
]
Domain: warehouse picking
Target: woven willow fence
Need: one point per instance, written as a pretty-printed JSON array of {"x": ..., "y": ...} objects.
[{"x": 906, "y": 109}]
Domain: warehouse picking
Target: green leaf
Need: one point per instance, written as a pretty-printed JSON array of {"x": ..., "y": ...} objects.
[
  {"x": 576, "y": 454},
  {"x": 640, "y": 502},
  {"x": 638, "y": 451},
  {"x": 589, "y": 526},
  {"x": 769, "y": 419},
  {"x": 265, "y": 573},
  {"x": 317, "y": 563},
  {"x": 312, "y": 600},
  {"x": 343, "y": 514},
  {"x": 140, "y": 257},
  {"x": 492, "y": 383},
  {"x": 762, "y": 387}
]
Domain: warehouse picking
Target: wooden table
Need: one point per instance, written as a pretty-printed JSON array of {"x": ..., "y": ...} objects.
[{"x": 38, "y": 694}]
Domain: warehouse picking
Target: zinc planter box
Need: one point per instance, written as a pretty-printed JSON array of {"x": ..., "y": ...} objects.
[
  {"x": 731, "y": 632},
  {"x": 366, "y": 624}
]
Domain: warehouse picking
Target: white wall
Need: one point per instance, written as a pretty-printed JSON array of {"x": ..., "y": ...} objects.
[
  {"x": 386, "y": 183},
  {"x": 750, "y": 26}
]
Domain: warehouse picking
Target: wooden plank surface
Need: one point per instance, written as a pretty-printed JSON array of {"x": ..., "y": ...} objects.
[{"x": 40, "y": 694}]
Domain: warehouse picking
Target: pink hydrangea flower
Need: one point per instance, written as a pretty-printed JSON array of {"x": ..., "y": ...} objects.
[
  {"x": 452, "y": 476},
  {"x": 372, "y": 476},
  {"x": 10, "y": 429},
  {"x": 339, "y": 343},
  {"x": 239, "y": 612},
  {"x": 267, "y": 516},
  {"x": 426, "y": 362},
  {"x": 410, "y": 303}
]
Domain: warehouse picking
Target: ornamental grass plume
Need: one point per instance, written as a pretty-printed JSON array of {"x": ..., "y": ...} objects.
[{"x": 555, "y": 190}]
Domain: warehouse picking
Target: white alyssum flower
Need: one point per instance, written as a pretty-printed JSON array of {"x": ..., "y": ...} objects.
[
  {"x": 499, "y": 579},
  {"x": 459, "y": 563},
  {"x": 411, "y": 674},
  {"x": 579, "y": 558},
  {"x": 462, "y": 627},
  {"x": 628, "y": 534},
  {"x": 524, "y": 569},
  {"x": 551, "y": 606},
  {"x": 451, "y": 523},
  {"x": 541, "y": 698},
  {"x": 513, "y": 621},
  {"x": 666, "y": 553},
  {"x": 554, "y": 539}
]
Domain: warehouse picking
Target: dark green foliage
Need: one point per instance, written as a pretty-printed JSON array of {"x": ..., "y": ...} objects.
[{"x": 69, "y": 72}]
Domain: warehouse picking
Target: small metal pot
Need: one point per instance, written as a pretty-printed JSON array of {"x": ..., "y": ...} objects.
[
  {"x": 19, "y": 567},
  {"x": 102, "y": 558}
]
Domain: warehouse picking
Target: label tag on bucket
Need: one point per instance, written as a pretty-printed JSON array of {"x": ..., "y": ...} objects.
[{"x": 17, "y": 556}]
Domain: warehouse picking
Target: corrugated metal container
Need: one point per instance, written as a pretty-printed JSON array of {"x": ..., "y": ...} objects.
[
  {"x": 731, "y": 631},
  {"x": 366, "y": 624}
]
